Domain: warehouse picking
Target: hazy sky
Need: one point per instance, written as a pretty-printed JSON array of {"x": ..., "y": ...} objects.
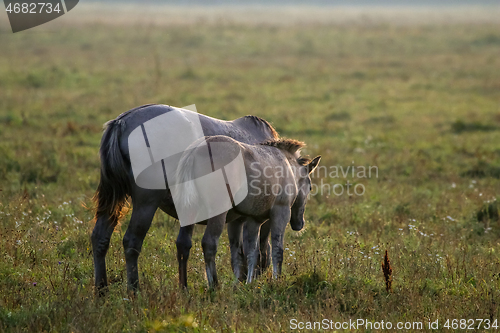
[{"x": 317, "y": 2}]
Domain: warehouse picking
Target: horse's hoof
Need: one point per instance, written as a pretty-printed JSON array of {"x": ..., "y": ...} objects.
[{"x": 101, "y": 291}]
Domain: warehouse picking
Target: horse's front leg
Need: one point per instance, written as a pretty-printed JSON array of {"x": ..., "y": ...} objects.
[
  {"x": 184, "y": 245},
  {"x": 280, "y": 216},
  {"x": 101, "y": 236},
  {"x": 209, "y": 243},
  {"x": 252, "y": 245},
  {"x": 145, "y": 206},
  {"x": 238, "y": 262}
]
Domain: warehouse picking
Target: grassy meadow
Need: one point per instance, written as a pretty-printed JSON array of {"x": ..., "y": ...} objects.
[{"x": 420, "y": 102}]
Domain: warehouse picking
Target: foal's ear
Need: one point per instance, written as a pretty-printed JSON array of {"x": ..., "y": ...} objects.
[{"x": 313, "y": 164}]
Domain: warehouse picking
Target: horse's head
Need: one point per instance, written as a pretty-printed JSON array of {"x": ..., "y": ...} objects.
[{"x": 306, "y": 167}]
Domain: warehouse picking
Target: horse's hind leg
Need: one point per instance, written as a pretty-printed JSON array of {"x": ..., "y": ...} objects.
[
  {"x": 265, "y": 248},
  {"x": 238, "y": 262},
  {"x": 252, "y": 246},
  {"x": 183, "y": 248},
  {"x": 209, "y": 243},
  {"x": 264, "y": 255},
  {"x": 101, "y": 236},
  {"x": 144, "y": 208}
]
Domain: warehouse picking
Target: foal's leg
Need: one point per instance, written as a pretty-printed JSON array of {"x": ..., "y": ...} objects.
[
  {"x": 101, "y": 236},
  {"x": 252, "y": 240},
  {"x": 209, "y": 243},
  {"x": 264, "y": 256},
  {"x": 184, "y": 245},
  {"x": 238, "y": 262},
  {"x": 144, "y": 208},
  {"x": 265, "y": 248},
  {"x": 280, "y": 216}
]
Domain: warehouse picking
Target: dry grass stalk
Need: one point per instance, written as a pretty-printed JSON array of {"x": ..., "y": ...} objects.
[{"x": 387, "y": 269}]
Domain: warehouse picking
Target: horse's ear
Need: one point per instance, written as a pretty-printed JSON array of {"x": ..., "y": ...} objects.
[{"x": 313, "y": 164}]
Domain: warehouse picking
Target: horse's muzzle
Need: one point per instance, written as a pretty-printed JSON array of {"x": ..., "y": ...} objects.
[{"x": 297, "y": 225}]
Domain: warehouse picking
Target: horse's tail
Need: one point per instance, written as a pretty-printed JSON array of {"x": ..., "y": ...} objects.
[
  {"x": 114, "y": 185},
  {"x": 186, "y": 194}
]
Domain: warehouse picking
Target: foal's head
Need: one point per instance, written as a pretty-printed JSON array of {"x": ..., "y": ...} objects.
[
  {"x": 303, "y": 179},
  {"x": 303, "y": 167}
]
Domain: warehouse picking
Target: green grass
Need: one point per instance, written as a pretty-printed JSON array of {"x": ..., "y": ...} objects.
[{"x": 419, "y": 102}]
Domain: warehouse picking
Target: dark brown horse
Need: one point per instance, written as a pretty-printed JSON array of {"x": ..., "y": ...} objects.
[{"x": 117, "y": 185}]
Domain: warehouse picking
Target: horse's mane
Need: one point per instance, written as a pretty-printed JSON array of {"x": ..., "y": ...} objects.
[
  {"x": 289, "y": 145},
  {"x": 265, "y": 122}
]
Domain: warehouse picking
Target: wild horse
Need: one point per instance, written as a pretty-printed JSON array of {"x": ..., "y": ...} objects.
[
  {"x": 117, "y": 185},
  {"x": 276, "y": 182}
]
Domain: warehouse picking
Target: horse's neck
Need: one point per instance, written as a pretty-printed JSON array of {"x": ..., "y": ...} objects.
[
  {"x": 283, "y": 154},
  {"x": 254, "y": 129}
]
